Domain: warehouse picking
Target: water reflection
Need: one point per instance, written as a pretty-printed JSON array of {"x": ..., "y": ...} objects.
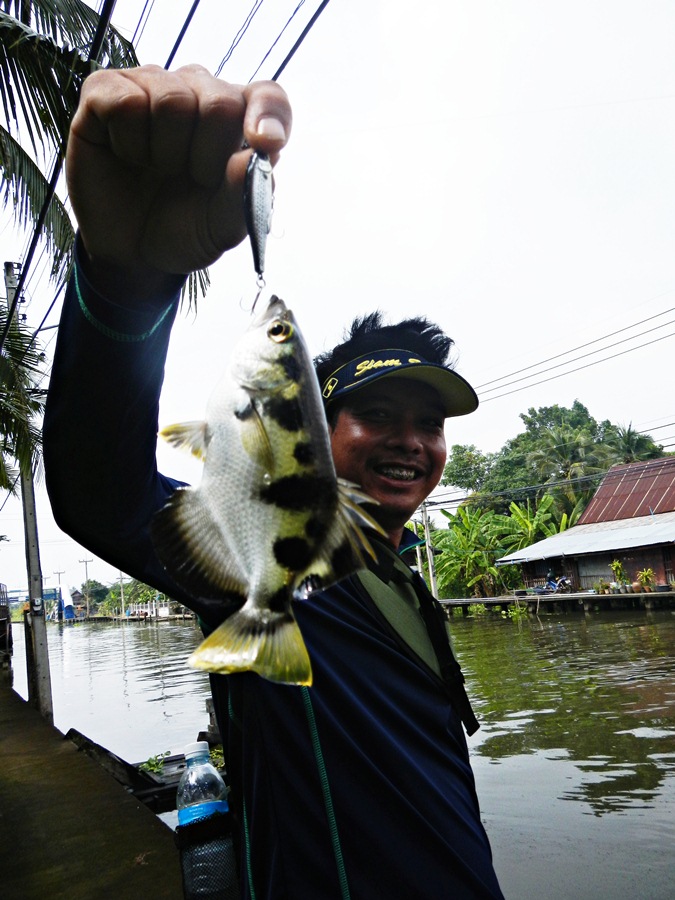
[
  {"x": 598, "y": 691},
  {"x": 574, "y": 761},
  {"x": 126, "y": 686}
]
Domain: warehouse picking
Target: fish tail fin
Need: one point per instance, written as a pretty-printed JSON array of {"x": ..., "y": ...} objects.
[{"x": 272, "y": 646}]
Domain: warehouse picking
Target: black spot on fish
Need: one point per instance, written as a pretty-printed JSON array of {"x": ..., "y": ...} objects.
[
  {"x": 292, "y": 553},
  {"x": 279, "y": 602},
  {"x": 342, "y": 559},
  {"x": 316, "y": 528},
  {"x": 292, "y": 367},
  {"x": 304, "y": 453},
  {"x": 286, "y": 413},
  {"x": 300, "y": 492}
]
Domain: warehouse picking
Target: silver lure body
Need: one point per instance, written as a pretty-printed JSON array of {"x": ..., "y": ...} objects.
[{"x": 258, "y": 206}]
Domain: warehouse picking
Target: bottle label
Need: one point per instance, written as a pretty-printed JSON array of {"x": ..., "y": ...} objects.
[{"x": 201, "y": 811}]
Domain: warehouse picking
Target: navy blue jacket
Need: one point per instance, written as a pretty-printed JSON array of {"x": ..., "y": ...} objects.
[{"x": 359, "y": 786}]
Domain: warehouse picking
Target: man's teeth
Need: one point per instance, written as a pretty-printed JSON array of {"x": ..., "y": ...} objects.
[{"x": 398, "y": 472}]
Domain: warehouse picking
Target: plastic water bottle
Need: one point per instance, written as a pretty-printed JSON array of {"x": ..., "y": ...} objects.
[
  {"x": 201, "y": 790},
  {"x": 203, "y": 833}
]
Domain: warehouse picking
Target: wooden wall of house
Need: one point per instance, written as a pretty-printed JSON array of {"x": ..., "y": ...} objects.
[{"x": 585, "y": 571}]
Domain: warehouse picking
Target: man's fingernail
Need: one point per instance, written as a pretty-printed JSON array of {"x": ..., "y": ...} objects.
[{"x": 271, "y": 128}]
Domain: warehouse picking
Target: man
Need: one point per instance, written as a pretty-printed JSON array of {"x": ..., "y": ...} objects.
[{"x": 361, "y": 785}]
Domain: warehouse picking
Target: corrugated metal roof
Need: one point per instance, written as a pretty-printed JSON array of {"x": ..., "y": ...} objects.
[
  {"x": 600, "y": 537},
  {"x": 633, "y": 490}
]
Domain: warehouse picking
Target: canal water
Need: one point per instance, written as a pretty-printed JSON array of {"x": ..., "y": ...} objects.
[{"x": 575, "y": 759}]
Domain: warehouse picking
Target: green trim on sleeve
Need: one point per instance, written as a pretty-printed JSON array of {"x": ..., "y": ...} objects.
[{"x": 124, "y": 337}]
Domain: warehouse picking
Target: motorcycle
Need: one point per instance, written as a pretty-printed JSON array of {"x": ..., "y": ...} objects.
[{"x": 560, "y": 585}]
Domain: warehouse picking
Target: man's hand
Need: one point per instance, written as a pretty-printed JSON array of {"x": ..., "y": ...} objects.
[{"x": 155, "y": 170}]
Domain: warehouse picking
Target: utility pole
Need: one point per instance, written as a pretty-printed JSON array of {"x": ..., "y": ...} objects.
[
  {"x": 430, "y": 554},
  {"x": 86, "y": 581},
  {"x": 60, "y": 599},
  {"x": 122, "y": 593},
  {"x": 39, "y": 679}
]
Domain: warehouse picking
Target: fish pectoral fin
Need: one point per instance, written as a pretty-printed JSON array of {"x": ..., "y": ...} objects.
[
  {"x": 264, "y": 642},
  {"x": 254, "y": 437},
  {"x": 191, "y": 547},
  {"x": 350, "y": 500},
  {"x": 192, "y": 436},
  {"x": 346, "y": 544}
]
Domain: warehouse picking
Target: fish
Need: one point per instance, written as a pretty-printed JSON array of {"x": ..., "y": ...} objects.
[
  {"x": 258, "y": 206},
  {"x": 269, "y": 520}
]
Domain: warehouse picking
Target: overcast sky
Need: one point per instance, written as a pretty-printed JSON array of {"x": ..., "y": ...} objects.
[{"x": 506, "y": 168}]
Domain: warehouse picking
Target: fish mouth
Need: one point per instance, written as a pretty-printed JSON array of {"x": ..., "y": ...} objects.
[{"x": 398, "y": 472}]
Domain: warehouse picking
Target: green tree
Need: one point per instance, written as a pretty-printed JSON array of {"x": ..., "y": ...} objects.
[
  {"x": 628, "y": 445},
  {"x": 577, "y": 417},
  {"x": 96, "y": 592},
  {"x": 136, "y": 593},
  {"x": 466, "y": 467},
  {"x": 558, "y": 444},
  {"x": 566, "y": 458}
]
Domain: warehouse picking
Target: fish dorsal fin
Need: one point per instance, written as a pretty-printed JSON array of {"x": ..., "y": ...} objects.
[
  {"x": 254, "y": 437},
  {"x": 346, "y": 545},
  {"x": 191, "y": 546},
  {"x": 192, "y": 436}
]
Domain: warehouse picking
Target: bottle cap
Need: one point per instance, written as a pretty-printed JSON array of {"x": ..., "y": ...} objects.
[{"x": 196, "y": 749}]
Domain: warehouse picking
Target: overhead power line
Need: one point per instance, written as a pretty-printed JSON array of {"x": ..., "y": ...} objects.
[
  {"x": 583, "y": 356},
  {"x": 579, "y": 368},
  {"x": 239, "y": 35},
  {"x": 181, "y": 34},
  {"x": 275, "y": 42},
  {"x": 142, "y": 22},
  {"x": 633, "y": 476},
  {"x": 303, "y": 35},
  {"x": 580, "y": 347}
]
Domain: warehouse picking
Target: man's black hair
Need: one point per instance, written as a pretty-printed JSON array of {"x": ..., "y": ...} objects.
[{"x": 366, "y": 333}]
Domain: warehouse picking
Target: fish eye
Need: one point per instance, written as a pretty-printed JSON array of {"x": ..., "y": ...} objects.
[{"x": 280, "y": 331}]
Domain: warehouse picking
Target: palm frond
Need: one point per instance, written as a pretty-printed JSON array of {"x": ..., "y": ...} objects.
[
  {"x": 73, "y": 23},
  {"x": 40, "y": 80},
  {"x": 20, "y": 400},
  {"x": 24, "y": 188},
  {"x": 39, "y": 85}
]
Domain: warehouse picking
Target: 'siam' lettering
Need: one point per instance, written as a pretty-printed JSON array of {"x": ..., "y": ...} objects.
[{"x": 367, "y": 364}]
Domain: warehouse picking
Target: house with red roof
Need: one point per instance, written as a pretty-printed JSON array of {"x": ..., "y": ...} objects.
[{"x": 631, "y": 518}]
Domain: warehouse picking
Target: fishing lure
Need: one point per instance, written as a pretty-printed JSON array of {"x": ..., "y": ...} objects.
[{"x": 258, "y": 205}]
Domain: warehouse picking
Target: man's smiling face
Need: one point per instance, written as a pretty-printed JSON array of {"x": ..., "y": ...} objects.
[{"x": 388, "y": 439}]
